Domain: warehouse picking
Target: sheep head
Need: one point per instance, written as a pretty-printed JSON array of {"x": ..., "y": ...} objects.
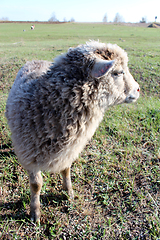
[{"x": 116, "y": 82}]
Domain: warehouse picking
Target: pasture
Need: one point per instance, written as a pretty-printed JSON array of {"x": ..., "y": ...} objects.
[{"x": 116, "y": 179}]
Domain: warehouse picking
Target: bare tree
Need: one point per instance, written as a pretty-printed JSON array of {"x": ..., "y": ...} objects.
[
  {"x": 105, "y": 19},
  {"x": 144, "y": 20},
  {"x": 72, "y": 19},
  {"x": 118, "y": 18},
  {"x": 4, "y": 19},
  {"x": 64, "y": 19},
  {"x": 53, "y": 18}
]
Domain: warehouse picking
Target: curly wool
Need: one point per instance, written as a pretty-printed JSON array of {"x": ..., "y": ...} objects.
[{"x": 53, "y": 109}]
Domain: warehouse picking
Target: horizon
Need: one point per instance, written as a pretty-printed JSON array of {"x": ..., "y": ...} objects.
[{"x": 56, "y": 22}]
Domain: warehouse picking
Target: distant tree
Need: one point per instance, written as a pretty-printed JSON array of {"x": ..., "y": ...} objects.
[
  {"x": 64, "y": 19},
  {"x": 155, "y": 18},
  {"x": 144, "y": 20},
  {"x": 118, "y": 18},
  {"x": 105, "y": 19},
  {"x": 72, "y": 20},
  {"x": 53, "y": 18},
  {"x": 4, "y": 19}
]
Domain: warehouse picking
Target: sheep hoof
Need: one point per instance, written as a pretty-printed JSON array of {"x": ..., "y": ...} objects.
[
  {"x": 35, "y": 216},
  {"x": 71, "y": 194}
]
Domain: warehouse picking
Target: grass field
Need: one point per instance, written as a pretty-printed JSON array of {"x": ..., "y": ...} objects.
[{"x": 116, "y": 179}]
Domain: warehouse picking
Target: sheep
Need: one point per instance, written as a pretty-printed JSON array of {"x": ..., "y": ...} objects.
[
  {"x": 32, "y": 27},
  {"x": 53, "y": 109}
]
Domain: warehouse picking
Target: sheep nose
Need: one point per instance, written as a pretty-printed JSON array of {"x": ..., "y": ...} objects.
[{"x": 138, "y": 89}]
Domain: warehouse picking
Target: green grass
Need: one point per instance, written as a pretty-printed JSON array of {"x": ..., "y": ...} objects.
[{"x": 116, "y": 178}]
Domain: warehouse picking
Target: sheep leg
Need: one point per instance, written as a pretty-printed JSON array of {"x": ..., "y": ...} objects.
[
  {"x": 35, "y": 186},
  {"x": 67, "y": 184}
]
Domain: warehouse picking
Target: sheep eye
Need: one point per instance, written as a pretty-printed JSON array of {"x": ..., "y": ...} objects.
[
  {"x": 115, "y": 73},
  {"x": 118, "y": 73}
]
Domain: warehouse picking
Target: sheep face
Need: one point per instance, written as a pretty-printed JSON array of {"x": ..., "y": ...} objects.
[
  {"x": 116, "y": 82},
  {"x": 126, "y": 88}
]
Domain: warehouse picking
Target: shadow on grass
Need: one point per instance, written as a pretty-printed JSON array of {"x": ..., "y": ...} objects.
[
  {"x": 14, "y": 210},
  {"x": 18, "y": 210}
]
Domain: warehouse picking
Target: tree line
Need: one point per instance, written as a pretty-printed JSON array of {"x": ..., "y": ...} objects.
[
  {"x": 117, "y": 19},
  {"x": 53, "y": 18}
]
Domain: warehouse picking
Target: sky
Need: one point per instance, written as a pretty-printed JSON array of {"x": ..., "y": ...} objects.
[{"x": 80, "y": 10}]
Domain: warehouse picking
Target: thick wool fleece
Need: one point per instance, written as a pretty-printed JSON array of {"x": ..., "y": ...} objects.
[{"x": 53, "y": 109}]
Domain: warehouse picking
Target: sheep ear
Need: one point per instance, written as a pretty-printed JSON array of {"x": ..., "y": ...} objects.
[{"x": 101, "y": 67}]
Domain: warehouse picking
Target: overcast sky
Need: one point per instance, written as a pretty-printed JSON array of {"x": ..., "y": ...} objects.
[{"x": 80, "y": 10}]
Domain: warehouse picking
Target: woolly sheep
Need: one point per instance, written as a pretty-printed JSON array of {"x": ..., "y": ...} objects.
[
  {"x": 53, "y": 109},
  {"x": 32, "y": 27}
]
